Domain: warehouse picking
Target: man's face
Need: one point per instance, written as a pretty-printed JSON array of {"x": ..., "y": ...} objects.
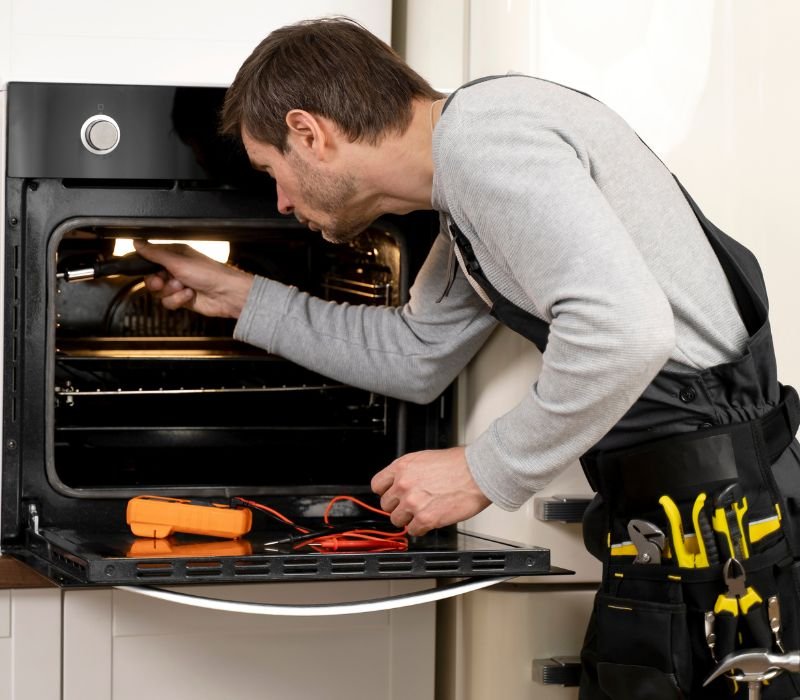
[{"x": 322, "y": 200}]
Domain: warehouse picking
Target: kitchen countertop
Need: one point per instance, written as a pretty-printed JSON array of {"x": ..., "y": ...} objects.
[{"x": 14, "y": 574}]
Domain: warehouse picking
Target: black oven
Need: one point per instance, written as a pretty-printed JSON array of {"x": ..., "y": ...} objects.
[{"x": 107, "y": 396}]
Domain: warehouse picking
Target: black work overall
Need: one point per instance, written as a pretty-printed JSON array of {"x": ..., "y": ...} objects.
[{"x": 687, "y": 433}]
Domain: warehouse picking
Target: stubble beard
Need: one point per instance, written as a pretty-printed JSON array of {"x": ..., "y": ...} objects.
[{"x": 329, "y": 194}]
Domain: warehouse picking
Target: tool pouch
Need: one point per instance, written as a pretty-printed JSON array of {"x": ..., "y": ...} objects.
[
  {"x": 760, "y": 455},
  {"x": 643, "y": 648},
  {"x": 768, "y": 573},
  {"x": 650, "y": 636},
  {"x": 643, "y": 639}
]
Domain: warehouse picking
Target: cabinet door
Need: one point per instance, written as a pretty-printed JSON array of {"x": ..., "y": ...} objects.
[
  {"x": 123, "y": 646},
  {"x": 490, "y": 639},
  {"x": 30, "y": 644}
]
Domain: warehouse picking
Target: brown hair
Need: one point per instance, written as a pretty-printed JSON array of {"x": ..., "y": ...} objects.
[{"x": 331, "y": 67}]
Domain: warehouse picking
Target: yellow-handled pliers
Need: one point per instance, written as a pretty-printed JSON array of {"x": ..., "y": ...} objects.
[
  {"x": 738, "y": 599},
  {"x": 683, "y": 556}
]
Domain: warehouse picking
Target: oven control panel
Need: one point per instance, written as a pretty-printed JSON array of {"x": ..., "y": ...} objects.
[{"x": 130, "y": 132}]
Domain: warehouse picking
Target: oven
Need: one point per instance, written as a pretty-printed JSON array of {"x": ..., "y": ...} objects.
[{"x": 107, "y": 396}]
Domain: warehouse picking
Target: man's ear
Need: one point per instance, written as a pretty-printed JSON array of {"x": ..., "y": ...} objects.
[{"x": 309, "y": 133}]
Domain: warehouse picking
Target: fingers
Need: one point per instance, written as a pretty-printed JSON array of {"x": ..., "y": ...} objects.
[
  {"x": 401, "y": 518},
  {"x": 147, "y": 250},
  {"x": 396, "y": 498},
  {"x": 183, "y": 297},
  {"x": 383, "y": 480},
  {"x": 163, "y": 285},
  {"x": 429, "y": 489},
  {"x": 157, "y": 281},
  {"x": 164, "y": 253},
  {"x": 171, "y": 291},
  {"x": 384, "y": 483},
  {"x": 416, "y": 527}
]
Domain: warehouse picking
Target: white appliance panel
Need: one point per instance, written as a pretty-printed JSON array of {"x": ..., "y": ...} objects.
[
  {"x": 502, "y": 631},
  {"x": 495, "y": 381}
]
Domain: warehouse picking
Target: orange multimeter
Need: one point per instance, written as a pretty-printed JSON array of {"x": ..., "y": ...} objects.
[
  {"x": 160, "y": 516},
  {"x": 149, "y": 548}
]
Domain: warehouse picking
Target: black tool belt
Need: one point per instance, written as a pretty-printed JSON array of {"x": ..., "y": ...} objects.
[
  {"x": 705, "y": 581},
  {"x": 632, "y": 479}
]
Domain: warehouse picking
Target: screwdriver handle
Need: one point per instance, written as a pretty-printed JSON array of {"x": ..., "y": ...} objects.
[
  {"x": 756, "y": 620},
  {"x": 708, "y": 554},
  {"x": 706, "y": 535},
  {"x": 725, "y": 625},
  {"x": 130, "y": 265}
]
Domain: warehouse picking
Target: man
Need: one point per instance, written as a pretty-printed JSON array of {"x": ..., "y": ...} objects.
[{"x": 557, "y": 221}]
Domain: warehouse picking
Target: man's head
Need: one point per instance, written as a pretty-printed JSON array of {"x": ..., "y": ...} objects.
[
  {"x": 332, "y": 68},
  {"x": 302, "y": 100}
]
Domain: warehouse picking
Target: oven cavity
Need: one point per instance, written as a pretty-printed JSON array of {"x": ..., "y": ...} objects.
[{"x": 146, "y": 399}]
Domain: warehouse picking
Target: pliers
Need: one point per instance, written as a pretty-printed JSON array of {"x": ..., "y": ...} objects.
[{"x": 739, "y": 598}]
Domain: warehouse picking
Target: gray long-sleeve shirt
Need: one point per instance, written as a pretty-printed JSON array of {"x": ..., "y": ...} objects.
[{"x": 574, "y": 220}]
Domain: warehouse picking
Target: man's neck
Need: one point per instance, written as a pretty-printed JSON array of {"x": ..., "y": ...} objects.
[{"x": 399, "y": 170}]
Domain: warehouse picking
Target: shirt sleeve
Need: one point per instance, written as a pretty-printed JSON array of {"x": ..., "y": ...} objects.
[
  {"x": 410, "y": 352},
  {"x": 524, "y": 194}
]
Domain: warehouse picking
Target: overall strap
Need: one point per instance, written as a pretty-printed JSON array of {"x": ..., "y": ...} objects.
[
  {"x": 740, "y": 267},
  {"x": 738, "y": 263},
  {"x": 526, "y": 324},
  {"x": 509, "y": 314}
]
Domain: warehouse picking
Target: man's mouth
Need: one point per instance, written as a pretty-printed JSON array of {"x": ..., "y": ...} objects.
[{"x": 308, "y": 223}]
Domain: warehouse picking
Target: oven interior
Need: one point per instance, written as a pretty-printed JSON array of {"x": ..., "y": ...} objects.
[{"x": 167, "y": 401}]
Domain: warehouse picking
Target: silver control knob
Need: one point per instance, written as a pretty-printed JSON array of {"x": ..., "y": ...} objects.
[{"x": 100, "y": 134}]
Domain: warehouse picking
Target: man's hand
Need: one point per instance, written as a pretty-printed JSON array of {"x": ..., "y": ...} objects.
[
  {"x": 429, "y": 489},
  {"x": 192, "y": 280}
]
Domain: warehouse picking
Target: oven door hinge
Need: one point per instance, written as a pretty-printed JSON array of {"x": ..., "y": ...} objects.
[{"x": 33, "y": 518}]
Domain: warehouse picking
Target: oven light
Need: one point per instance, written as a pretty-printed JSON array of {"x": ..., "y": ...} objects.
[{"x": 216, "y": 250}]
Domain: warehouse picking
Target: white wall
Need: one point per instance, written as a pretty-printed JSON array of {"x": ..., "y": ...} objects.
[
  {"x": 711, "y": 85},
  {"x": 433, "y": 37},
  {"x": 162, "y": 42}
]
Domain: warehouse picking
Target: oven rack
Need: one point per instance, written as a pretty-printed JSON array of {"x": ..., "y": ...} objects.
[
  {"x": 71, "y": 392},
  {"x": 377, "y": 292}
]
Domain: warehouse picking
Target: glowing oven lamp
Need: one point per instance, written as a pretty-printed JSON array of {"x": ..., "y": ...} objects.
[{"x": 216, "y": 250}]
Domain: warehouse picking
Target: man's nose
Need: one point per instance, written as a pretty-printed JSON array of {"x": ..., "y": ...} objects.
[{"x": 285, "y": 205}]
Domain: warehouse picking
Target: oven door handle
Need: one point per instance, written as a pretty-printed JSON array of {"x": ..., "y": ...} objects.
[{"x": 404, "y": 600}]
